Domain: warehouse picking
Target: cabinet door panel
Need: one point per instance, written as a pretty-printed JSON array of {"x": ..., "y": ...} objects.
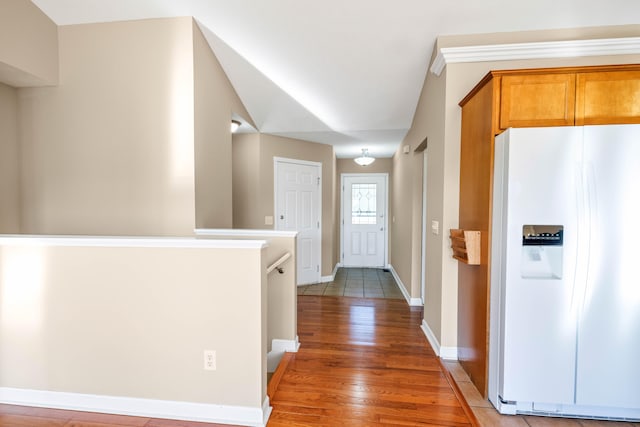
[
  {"x": 537, "y": 100},
  {"x": 611, "y": 97}
]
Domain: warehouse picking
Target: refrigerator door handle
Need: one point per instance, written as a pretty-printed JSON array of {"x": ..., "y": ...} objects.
[{"x": 587, "y": 211}]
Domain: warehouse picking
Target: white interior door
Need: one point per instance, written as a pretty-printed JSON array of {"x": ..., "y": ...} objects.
[
  {"x": 364, "y": 215},
  {"x": 297, "y": 208}
]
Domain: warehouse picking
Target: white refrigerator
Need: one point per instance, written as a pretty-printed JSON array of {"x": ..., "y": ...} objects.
[{"x": 565, "y": 272}]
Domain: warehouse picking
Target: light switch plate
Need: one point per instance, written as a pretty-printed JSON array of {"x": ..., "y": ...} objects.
[
  {"x": 435, "y": 227},
  {"x": 268, "y": 220}
]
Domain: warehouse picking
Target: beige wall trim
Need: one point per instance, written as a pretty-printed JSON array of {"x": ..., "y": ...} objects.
[
  {"x": 414, "y": 302},
  {"x": 243, "y": 232},
  {"x": 539, "y": 50},
  {"x": 449, "y": 353},
  {"x": 237, "y": 415},
  {"x": 129, "y": 242}
]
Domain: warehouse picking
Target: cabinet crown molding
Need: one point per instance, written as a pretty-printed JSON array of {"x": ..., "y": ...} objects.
[{"x": 537, "y": 50}]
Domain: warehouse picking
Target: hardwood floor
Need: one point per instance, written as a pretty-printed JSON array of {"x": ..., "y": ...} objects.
[{"x": 363, "y": 362}]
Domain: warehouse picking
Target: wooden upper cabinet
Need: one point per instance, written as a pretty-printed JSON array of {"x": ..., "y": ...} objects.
[
  {"x": 537, "y": 100},
  {"x": 611, "y": 97}
]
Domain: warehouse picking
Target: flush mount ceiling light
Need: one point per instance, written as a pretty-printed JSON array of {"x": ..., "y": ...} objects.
[
  {"x": 365, "y": 159},
  {"x": 234, "y": 125}
]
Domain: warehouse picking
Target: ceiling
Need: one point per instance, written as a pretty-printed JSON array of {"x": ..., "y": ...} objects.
[{"x": 340, "y": 72}]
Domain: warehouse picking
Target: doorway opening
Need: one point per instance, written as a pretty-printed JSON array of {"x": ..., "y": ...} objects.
[{"x": 364, "y": 223}]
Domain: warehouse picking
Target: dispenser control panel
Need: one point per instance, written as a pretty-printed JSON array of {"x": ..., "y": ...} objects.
[
  {"x": 542, "y": 235},
  {"x": 541, "y": 252}
]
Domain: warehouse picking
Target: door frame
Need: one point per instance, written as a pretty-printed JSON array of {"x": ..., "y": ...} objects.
[
  {"x": 423, "y": 255},
  {"x": 386, "y": 212},
  {"x": 276, "y": 163}
]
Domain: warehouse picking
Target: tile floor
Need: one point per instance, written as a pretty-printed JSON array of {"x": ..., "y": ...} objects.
[
  {"x": 357, "y": 282},
  {"x": 488, "y": 417}
]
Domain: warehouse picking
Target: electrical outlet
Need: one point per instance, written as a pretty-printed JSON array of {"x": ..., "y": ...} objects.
[{"x": 209, "y": 360}]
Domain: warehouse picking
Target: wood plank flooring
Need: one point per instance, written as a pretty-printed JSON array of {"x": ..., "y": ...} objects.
[{"x": 363, "y": 362}]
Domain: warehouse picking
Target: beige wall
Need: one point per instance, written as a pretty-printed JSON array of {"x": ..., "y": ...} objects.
[
  {"x": 407, "y": 202},
  {"x": 110, "y": 150},
  {"x": 9, "y": 162},
  {"x": 429, "y": 122},
  {"x": 215, "y": 102},
  {"x": 28, "y": 45},
  {"x": 281, "y": 288},
  {"x": 438, "y": 118},
  {"x": 349, "y": 166},
  {"x": 260, "y": 199},
  {"x": 86, "y": 319},
  {"x": 246, "y": 181},
  {"x": 406, "y": 180}
]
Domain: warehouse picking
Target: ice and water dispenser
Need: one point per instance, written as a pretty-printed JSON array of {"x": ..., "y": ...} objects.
[{"x": 541, "y": 252}]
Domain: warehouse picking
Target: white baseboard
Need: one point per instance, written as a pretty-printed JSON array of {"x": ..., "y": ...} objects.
[
  {"x": 278, "y": 348},
  {"x": 335, "y": 269},
  {"x": 414, "y": 302},
  {"x": 187, "y": 411},
  {"x": 449, "y": 353},
  {"x": 331, "y": 278}
]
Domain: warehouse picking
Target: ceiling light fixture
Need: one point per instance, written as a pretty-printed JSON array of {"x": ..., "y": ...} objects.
[
  {"x": 234, "y": 126},
  {"x": 365, "y": 159}
]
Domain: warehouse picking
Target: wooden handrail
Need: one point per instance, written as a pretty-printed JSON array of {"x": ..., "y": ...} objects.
[{"x": 276, "y": 265}]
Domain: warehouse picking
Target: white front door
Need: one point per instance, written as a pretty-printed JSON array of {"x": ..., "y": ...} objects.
[
  {"x": 297, "y": 208},
  {"x": 364, "y": 217}
]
